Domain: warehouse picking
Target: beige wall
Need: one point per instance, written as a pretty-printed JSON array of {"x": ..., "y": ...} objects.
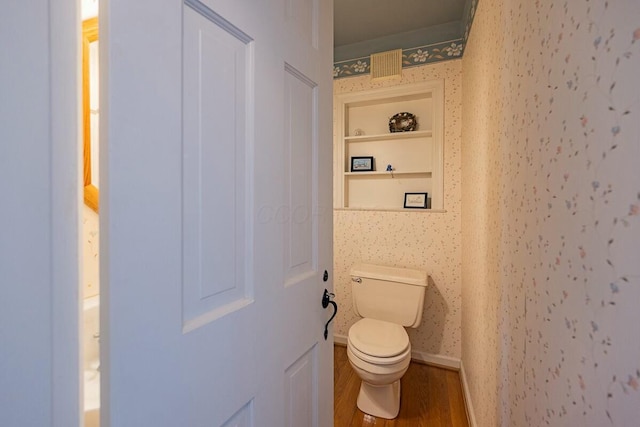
[
  {"x": 90, "y": 238},
  {"x": 551, "y": 213},
  {"x": 481, "y": 217},
  {"x": 411, "y": 239}
]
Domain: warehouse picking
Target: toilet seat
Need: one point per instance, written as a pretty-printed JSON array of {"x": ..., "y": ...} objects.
[{"x": 379, "y": 342}]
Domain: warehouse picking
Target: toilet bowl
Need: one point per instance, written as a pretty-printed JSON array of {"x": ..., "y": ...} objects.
[
  {"x": 380, "y": 354},
  {"x": 378, "y": 347}
]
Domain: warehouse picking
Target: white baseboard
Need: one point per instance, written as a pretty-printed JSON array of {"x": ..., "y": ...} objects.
[
  {"x": 471, "y": 416},
  {"x": 418, "y": 356},
  {"x": 340, "y": 340},
  {"x": 436, "y": 360}
]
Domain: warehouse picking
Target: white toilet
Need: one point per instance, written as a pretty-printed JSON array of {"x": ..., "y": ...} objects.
[{"x": 378, "y": 348}]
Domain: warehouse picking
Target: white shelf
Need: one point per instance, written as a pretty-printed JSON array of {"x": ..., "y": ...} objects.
[
  {"x": 416, "y": 156},
  {"x": 389, "y": 136},
  {"x": 392, "y": 210},
  {"x": 384, "y": 173}
]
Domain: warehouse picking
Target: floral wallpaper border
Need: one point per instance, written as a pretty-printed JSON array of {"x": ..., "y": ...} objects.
[
  {"x": 435, "y": 52},
  {"x": 410, "y": 58}
]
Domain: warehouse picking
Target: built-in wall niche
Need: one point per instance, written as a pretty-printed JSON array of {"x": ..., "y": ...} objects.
[{"x": 403, "y": 162}]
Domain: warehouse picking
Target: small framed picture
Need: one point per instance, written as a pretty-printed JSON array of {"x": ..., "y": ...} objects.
[
  {"x": 415, "y": 200},
  {"x": 362, "y": 164}
]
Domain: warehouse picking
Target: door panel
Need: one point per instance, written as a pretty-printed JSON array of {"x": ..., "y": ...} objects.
[
  {"x": 300, "y": 152},
  {"x": 243, "y": 418},
  {"x": 216, "y": 210},
  {"x": 301, "y": 391},
  {"x": 216, "y": 219}
]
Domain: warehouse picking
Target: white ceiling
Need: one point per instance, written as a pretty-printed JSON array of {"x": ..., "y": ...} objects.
[{"x": 394, "y": 22}]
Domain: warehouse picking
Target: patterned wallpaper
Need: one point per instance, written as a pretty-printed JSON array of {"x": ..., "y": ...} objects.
[
  {"x": 411, "y": 239},
  {"x": 90, "y": 252},
  {"x": 481, "y": 221},
  {"x": 551, "y": 220}
]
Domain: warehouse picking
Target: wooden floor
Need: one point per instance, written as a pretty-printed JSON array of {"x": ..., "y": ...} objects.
[{"x": 430, "y": 397}]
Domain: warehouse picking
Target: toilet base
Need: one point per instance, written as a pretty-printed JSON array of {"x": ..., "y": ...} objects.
[{"x": 382, "y": 401}]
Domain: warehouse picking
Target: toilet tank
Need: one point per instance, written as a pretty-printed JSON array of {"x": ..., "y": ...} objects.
[{"x": 391, "y": 294}]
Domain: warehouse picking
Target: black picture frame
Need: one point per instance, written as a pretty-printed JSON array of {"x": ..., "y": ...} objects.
[
  {"x": 362, "y": 164},
  {"x": 415, "y": 200}
]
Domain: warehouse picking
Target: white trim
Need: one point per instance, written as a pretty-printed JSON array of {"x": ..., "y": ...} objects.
[
  {"x": 340, "y": 340},
  {"x": 64, "y": 107},
  {"x": 418, "y": 356},
  {"x": 436, "y": 360},
  {"x": 471, "y": 416}
]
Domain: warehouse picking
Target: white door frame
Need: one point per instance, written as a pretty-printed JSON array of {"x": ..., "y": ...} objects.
[
  {"x": 39, "y": 289},
  {"x": 66, "y": 386}
]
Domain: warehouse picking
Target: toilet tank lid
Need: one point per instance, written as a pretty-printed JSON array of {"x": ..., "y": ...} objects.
[{"x": 410, "y": 276}]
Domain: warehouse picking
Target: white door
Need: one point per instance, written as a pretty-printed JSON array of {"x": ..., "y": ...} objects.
[{"x": 216, "y": 212}]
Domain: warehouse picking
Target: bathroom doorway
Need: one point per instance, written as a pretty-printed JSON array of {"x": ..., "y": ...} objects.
[{"x": 89, "y": 214}]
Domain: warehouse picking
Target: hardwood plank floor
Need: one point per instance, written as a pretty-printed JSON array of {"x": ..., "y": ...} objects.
[{"x": 431, "y": 397}]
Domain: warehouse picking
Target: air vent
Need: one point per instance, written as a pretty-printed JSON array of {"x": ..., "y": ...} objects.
[{"x": 385, "y": 65}]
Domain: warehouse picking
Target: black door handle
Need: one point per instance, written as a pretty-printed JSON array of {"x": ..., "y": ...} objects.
[{"x": 326, "y": 300}]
